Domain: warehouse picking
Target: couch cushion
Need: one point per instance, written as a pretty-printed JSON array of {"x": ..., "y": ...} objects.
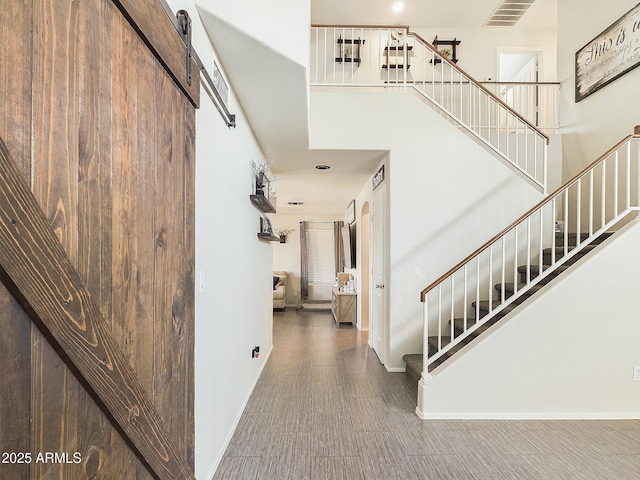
[{"x": 278, "y": 294}]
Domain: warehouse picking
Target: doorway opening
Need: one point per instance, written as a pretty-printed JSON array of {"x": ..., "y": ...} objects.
[
  {"x": 519, "y": 75},
  {"x": 365, "y": 267}
]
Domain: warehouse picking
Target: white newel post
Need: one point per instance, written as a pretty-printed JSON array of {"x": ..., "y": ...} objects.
[{"x": 425, "y": 377}]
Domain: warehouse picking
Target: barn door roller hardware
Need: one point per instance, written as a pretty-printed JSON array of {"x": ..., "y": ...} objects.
[
  {"x": 183, "y": 26},
  {"x": 184, "y": 20}
]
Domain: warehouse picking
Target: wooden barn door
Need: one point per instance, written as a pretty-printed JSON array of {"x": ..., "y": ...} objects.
[{"x": 98, "y": 119}]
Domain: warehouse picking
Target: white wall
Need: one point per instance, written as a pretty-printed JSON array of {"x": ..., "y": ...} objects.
[
  {"x": 441, "y": 190},
  {"x": 569, "y": 353},
  {"x": 286, "y": 256},
  {"x": 274, "y": 22},
  {"x": 234, "y": 263},
  {"x": 599, "y": 121},
  {"x": 479, "y": 47}
]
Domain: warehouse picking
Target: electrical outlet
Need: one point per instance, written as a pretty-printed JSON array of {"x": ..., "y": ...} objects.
[
  {"x": 255, "y": 353},
  {"x": 416, "y": 270},
  {"x": 636, "y": 373},
  {"x": 295, "y": 293}
]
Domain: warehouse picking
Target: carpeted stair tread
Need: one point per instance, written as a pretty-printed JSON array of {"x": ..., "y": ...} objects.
[
  {"x": 572, "y": 238},
  {"x": 458, "y": 325},
  {"x": 535, "y": 270},
  {"x": 414, "y": 365},
  {"x": 548, "y": 254},
  {"x": 509, "y": 288},
  {"x": 484, "y": 306}
]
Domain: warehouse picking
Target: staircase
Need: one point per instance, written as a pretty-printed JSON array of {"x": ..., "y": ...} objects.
[
  {"x": 394, "y": 59},
  {"x": 528, "y": 255},
  {"x": 415, "y": 361}
]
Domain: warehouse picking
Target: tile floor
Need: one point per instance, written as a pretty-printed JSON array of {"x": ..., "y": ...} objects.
[{"x": 325, "y": 408}]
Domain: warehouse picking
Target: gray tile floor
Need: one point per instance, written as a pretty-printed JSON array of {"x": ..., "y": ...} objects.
[{"x": 325, "y": 408}]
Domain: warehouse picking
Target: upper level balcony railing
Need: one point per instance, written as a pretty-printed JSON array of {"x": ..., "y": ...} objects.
[{"x": 396, "y": 59}]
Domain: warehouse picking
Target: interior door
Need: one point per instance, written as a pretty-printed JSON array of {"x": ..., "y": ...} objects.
[
  {"x": 99, "y": 122},
  {"x": 378, "y": 288}
]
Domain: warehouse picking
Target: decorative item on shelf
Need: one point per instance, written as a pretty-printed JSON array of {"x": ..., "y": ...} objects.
[
  {"x": 282, "y": 234},
  {"x": 394, "y": 50},
  {"x": 396, "y": 38},
  {"x": 446, "y": 48},
  {"x": 262, "y": 174},
  {"x": 349, "y": 50},
  {"x": 264, "y": 194},
  {"x": 266, "y": 230}
]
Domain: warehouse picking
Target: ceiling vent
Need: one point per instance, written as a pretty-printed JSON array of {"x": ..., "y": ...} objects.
[{"x": 508, "y": 13}]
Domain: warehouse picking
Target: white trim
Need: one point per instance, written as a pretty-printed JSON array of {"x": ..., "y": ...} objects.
[
  {"x": 395, "y": 369},
  {"x": 216, "y": 464},
  {"x": 529, "y": 415}
]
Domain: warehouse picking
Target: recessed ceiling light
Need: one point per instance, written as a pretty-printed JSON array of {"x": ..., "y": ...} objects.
[
  {"x": 397, "y": 7},
  {"x": 323, "y": 167},
  {"x": 295, "y": 203}
]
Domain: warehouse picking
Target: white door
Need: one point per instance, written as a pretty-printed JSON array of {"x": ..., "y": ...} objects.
[{"x": 377, "y": 325}]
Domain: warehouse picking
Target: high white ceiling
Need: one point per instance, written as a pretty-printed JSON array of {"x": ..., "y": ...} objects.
[
  {"x": 425, "y": 13},
  {"x": 277, "y": 104}
]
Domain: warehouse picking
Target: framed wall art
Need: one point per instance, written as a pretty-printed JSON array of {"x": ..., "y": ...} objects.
[{"x": 610, "y": 55}]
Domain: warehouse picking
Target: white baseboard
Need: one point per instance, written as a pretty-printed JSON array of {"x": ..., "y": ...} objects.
[
  {"x": 395, "y": 369},
  {"x": 528, "y": 415},
  {"x": 216, "y": 464}
]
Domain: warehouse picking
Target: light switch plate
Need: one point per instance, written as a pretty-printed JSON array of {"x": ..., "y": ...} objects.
[{"x": 201, "y": 282}]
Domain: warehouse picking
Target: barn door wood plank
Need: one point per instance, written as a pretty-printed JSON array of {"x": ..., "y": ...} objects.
[
  {"x": 54, "y": 172},
  {"x": 15, "y": 326},
  {"x": 158, "y": 32},
  {"x": 174, "y": 273},
  {"x": 39, "y": 273}
]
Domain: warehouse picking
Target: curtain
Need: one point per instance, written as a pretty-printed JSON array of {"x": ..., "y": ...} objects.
[
  {"x": 304, "y": 264},
  {"x": 338, "y": 246}
]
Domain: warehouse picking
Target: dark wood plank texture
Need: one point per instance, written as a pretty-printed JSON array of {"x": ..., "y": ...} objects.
[
  {"x": 54, "y": 395},
  {"x": 48, "y": 284},
  {"x": 15, "y": 339},
  {"x": 84, "y": 122},
  {"x": 157, "y": 30}
]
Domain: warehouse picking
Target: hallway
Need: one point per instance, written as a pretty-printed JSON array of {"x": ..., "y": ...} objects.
[{"x": 325, "y": 408}]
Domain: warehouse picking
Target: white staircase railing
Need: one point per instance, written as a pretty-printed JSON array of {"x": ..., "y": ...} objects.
[
  {"x": 537, "y": 102},
  {"x": 395, "y": 59},
  {"x": 601, "y": 196}
]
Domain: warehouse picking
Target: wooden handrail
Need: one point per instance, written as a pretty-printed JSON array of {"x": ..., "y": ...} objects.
[
  {"x": 496, "y": 237},
  {"x": 38, "y": 272},
  {"x": 356, "y": 27},
  {"x": 431, "y": 47},
  {"x": 486, "y": 90}
]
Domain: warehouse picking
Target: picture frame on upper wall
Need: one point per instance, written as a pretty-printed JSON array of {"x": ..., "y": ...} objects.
[
  {"x": 611, "y": 54},
  {"x": 350, "y": 216},
  {"x": 349, "y": 50},
  {"x": 265, "y": 225},
  {"x": 446, "y": 48}
]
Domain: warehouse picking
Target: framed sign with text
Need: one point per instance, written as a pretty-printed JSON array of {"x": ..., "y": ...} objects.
[
  {"x": 378, "y": 178},
  {"x": 610, "y": 55}
]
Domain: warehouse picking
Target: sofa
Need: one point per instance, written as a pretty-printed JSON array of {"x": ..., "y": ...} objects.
[{"x": 279, "y": 289}]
